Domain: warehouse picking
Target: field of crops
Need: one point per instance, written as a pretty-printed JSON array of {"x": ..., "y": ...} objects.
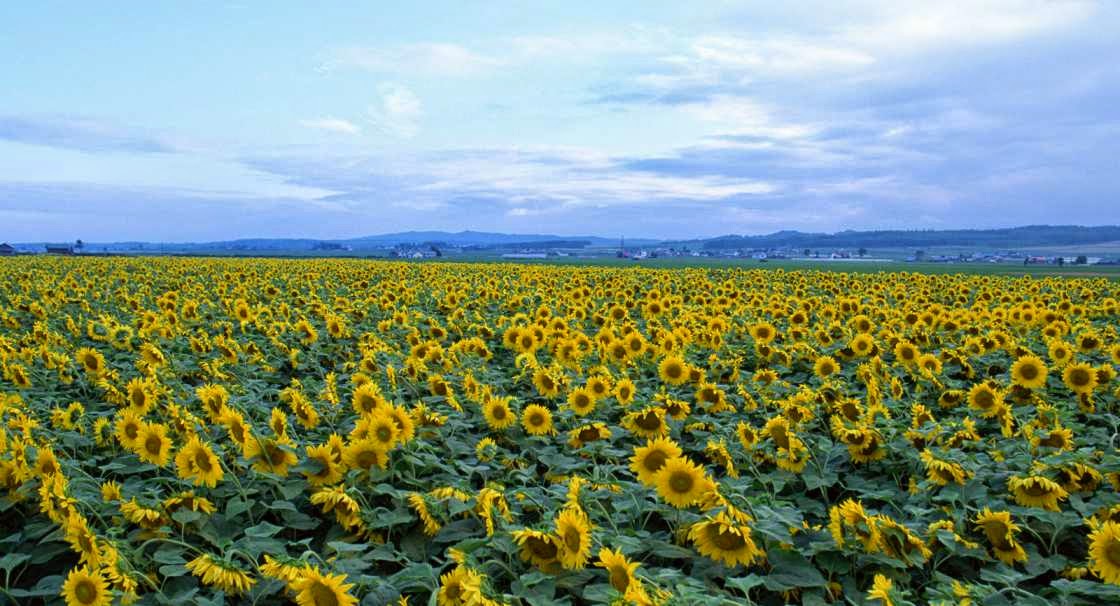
[{"x": 335, "y": 432}]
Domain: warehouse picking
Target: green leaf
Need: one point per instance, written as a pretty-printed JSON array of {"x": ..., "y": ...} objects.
[
  {"x": 10, "y": 561},
  {"x": 791, "y": 570},
  {"x": 262, "y": 530}
]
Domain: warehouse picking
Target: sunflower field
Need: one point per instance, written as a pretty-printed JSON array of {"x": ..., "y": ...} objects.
[{"x": 340, "y": 432}]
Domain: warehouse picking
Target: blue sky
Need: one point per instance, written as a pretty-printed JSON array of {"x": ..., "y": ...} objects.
[{"x": 179, "y": 121}]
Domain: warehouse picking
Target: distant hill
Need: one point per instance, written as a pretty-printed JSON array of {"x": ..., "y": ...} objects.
[
  {"x": 999, "y": 239},
  {"x": 465, "y": 239},
  {"x": 1008, "y": 238}
]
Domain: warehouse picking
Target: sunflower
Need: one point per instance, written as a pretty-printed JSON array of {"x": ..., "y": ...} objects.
[
  {"x": 580, "y": 401},
  {"x": 624, "y": 391},
  {"x": 152, "y": 444},
  {"x": 862, "y": 344},
  {"x": 1030, "y": 372},
  {"x": 86, "y": 586},
  {"x": 1001, "y": 531},
  {"x": 1104, "y": 552},
  {"x": 825, "y": 366},
  {"x": 620, "y": 571},
  {"x": 585, "y": 434},
  {"x": 460, "y": 587},
  {"x": 539, "y": 548},
  {"x": 906, "y": 353},
  {"x": 681, "y": 483},
  {"x": 498, "y": 414},
  {"x": 127, "y": 429},
  {"x": 1036, "y": 491},
  {"x": 314, "y": 588},
  {"x": 673, "y": 370},
  {"x": 91, "y": 361},
  {"x": 881, "y": 588},
  {"x": 724, "y": 540},
  {"x": 1060, "y": 352},
  {"x": 366, "y": 398},
  {"x": 364, "y": 454},
  {"x": 382, "y": 429},
  {"x": 537, "y": 420},
  {"x": 763, "y": 332},
  {"x": 850, "y": 516},
  {"x": 599, "y": 386},
  {"x": 198, "y": 463},
  {"x": 327, "y": 465},
  {"x": 649, "y": 459},
  {"x": 574, "y": 532},
  {"x": 1081, "y": 378},
  {"x": 942, "y": 472},
  {"x": 986, "y": 399},
  {"x": 647, "y": 423},
  {"x": 929, "y": 364},
  {"x": 547, "y": 385},
  {"x": 220, "y": 574},
  {"x": 269, "y": 455}
]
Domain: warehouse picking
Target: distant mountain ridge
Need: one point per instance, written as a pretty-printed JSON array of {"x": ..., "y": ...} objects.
[
  {"x": 1011, "y": 237},
  {"x": 1003, "y": 238}
]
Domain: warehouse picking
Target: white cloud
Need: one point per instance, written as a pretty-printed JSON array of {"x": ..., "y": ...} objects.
[
  {"x": 334, "y": 125},
  {"x": 430, "y": 58},
  {"x": 397, "y": 112},
  {"x": 737, "y": 115},
  {"x": 947, "y": 25},
  {"x": 776, "y": 55}
]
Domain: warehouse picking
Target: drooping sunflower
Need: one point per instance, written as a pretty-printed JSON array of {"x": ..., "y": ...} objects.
[
  {"x": 153, "y": 445},
  {"x": 1001, "y": 531},
  {"x": 1104, "y": 552},
  {"x": 1030, "y": 372},
  {"x": 313, "y": 588},
  {"x": 221, "y": 574},
  {"x": 86, "y": 586},
  {"x": 620, "y": 571},
  {"x": 681, "y": 483},
  {"x": 725, "y": 540},
  {"x": 498, "y": 413},
  {"x": 647, "y": 423},
  {"x": 269, "y": 455},
  {"x": 537, "y": 420},
  {"x": 649, "y": 459},
  {"x": 850, "y": 516},
  {"x": 1080, "y": 377},
  {"x": 328, "y": 471},
  {"x": 881, "y": 588},
  {"x": 585, "y": 434},
  {"x": 673, "y": 370},
  {"x": 539, "y": 548},
  {"x": 573, "y": 528},
  {"x": 942, "y": 472},
  {"x": 1036, "y": 491}
]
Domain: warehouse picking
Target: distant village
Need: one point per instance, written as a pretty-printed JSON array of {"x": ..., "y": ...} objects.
[{"x": 580, "y": 250}]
